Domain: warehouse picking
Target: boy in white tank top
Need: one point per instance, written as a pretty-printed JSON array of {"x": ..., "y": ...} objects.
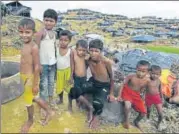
[
  {"x": 64, "y": 65},
  {"x": 46, "y": 39}
]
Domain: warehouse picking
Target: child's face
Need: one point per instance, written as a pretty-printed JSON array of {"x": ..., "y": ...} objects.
[
  {"x": 155, "y": 74},
  {"x": 142, "y": 71},
  {"x": 49, "y": 23},
  {"x": 81, "y": 52},
  {"x": 95, "y": 54},
  {"x": 25, "y": 33},
  {"x": 64, "y": 41}
]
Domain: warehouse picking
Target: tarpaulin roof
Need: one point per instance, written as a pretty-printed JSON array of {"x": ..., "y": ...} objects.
[{"x": 145, "y": 38}]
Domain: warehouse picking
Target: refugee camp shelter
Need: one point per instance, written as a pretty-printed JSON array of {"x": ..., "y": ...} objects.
[
  {"x": 74, "y": 33},
  {"x": 60, "y": 18},
  {"x": 173, "y": 34},
  {"x": 105, "y": 23},
  {"x": 143, "y": 38},
  {"x": 58, "y": 29},
  {"x": 16, "y": 8},
  {"x": 4, "y": 10},
  {"x": 118, "y": 33},
  {"x": 93, "y": 36},
  {"x": 161, "y": 34},
  {"x": 109, "y": 29}
]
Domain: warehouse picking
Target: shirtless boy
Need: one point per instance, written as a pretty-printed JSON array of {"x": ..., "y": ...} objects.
[
  {"x": 79, "y": 74},
  {"x": 102, "y": 79},
  {"x": 154, "y": 93},
  {"x": 133, "y": 86},
  {"x": 29, "y": 73}
]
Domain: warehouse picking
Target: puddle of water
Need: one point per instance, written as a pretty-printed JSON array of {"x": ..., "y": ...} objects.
[{"x": 14, "y": 114}]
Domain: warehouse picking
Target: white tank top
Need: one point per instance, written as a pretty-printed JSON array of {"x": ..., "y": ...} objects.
[
  {"x": 47, "y": 50},
  {"x": 63, "y": 62}
]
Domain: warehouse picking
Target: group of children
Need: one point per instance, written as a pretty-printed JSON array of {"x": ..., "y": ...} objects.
[
  {"x": 42, "y": 62},
  {"x": 133, "y": 89}
]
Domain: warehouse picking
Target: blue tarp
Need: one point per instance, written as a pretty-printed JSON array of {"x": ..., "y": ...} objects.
[
  {"x": 159, "y": 33},
  {"x": 128, "y": 60},
  {"x": 144, "y": 38},
  {"x": 172, "y": 33}
]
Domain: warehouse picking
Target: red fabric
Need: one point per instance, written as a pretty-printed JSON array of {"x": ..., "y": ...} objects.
[
  {"x": 134, "y": 97},
  {"x": 152, "y": 99}
]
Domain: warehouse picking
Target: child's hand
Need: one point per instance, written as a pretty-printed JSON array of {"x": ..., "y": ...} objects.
[
  {"x": 71, "y": 81},
  {"x": 111, "y": 98},
  {"x": 35, "y": 90},
  {"x": 119, "y": 98}
]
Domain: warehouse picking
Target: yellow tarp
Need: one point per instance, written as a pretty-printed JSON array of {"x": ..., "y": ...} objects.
[{"x": 167, "y": 79}]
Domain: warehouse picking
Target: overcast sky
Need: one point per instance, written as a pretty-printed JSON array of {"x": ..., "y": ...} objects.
[{"x": 164, "y": 9}]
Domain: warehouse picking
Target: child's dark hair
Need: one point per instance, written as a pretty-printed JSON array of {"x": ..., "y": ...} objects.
[
  {"x": 115, "y": 60},
  {"x": 50, "y": 13},
  {"x": 155, "y": 67},
  {"x": 82, "y": 43},
  {"x": 96, "y": 43},
  {"x": 66, "y": 33},
  {"x": 143, "y": 63},
  {"x": 29, "y": 23}
]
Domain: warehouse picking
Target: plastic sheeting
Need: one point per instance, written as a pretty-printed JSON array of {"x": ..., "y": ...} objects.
[{"x": 128, "y": 60}]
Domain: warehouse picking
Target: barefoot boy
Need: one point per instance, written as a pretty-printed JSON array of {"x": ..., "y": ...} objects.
[
  {"x": 80, "y": 73},
  {"x": 101, "y": 77},
  {"x": 130, "y": 92},
  {"x": 29, "y": 72},
  {"x": 154, "y": 93},
  {"x": 46, "y": 39}
]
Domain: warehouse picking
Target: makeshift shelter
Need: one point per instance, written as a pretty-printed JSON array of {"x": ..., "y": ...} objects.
[
  {"x": 161, "y": 34},
  {"x": 16, "y": 8},
  {"x": 128, "y": 60},
  {"x": 172, "y": 34},
  {"x": 143, "y": 38},
  {"x": 118, "y": 33},
  {"x": 58, "y": 30},
  {"x": 105, "y": 23},
  {"x": 108, "y": 29},
  {"x": 90, "y": 37}
]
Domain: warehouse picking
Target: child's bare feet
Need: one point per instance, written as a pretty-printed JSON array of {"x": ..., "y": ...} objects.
[
  {"x": 70, "y": 109},
  {"x": 48, "y": 118},
  {"x": 94, "y": 124},
  {"x": 90, "y": 115},
  {"x": 138, "y": 126},
  {"x": 126, "y": 125},
  {"x": 26, "y": 126},
  {"x": 158, "y": 126},
  {"x": 52, "y": 103},
  {"x": 42, "y": 113},
  {"x": 59, "y": 102}
]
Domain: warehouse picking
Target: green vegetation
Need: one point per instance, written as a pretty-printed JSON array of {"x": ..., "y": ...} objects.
[{"x": 167, "y": 49}]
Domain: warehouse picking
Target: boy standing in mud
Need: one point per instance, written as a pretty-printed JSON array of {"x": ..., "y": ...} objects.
[
  {"x": 29, "y": 73},
  {"x": 102, "y": 79},
  {"x": 154, "y": 93},
  {"x": 80, "y": 76},
  {"x": 131, "y": 91},
  {"x": 46, "y": 39}
]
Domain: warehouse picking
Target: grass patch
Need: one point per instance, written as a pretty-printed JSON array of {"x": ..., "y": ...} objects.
[{"x": 167, "y": 49}]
